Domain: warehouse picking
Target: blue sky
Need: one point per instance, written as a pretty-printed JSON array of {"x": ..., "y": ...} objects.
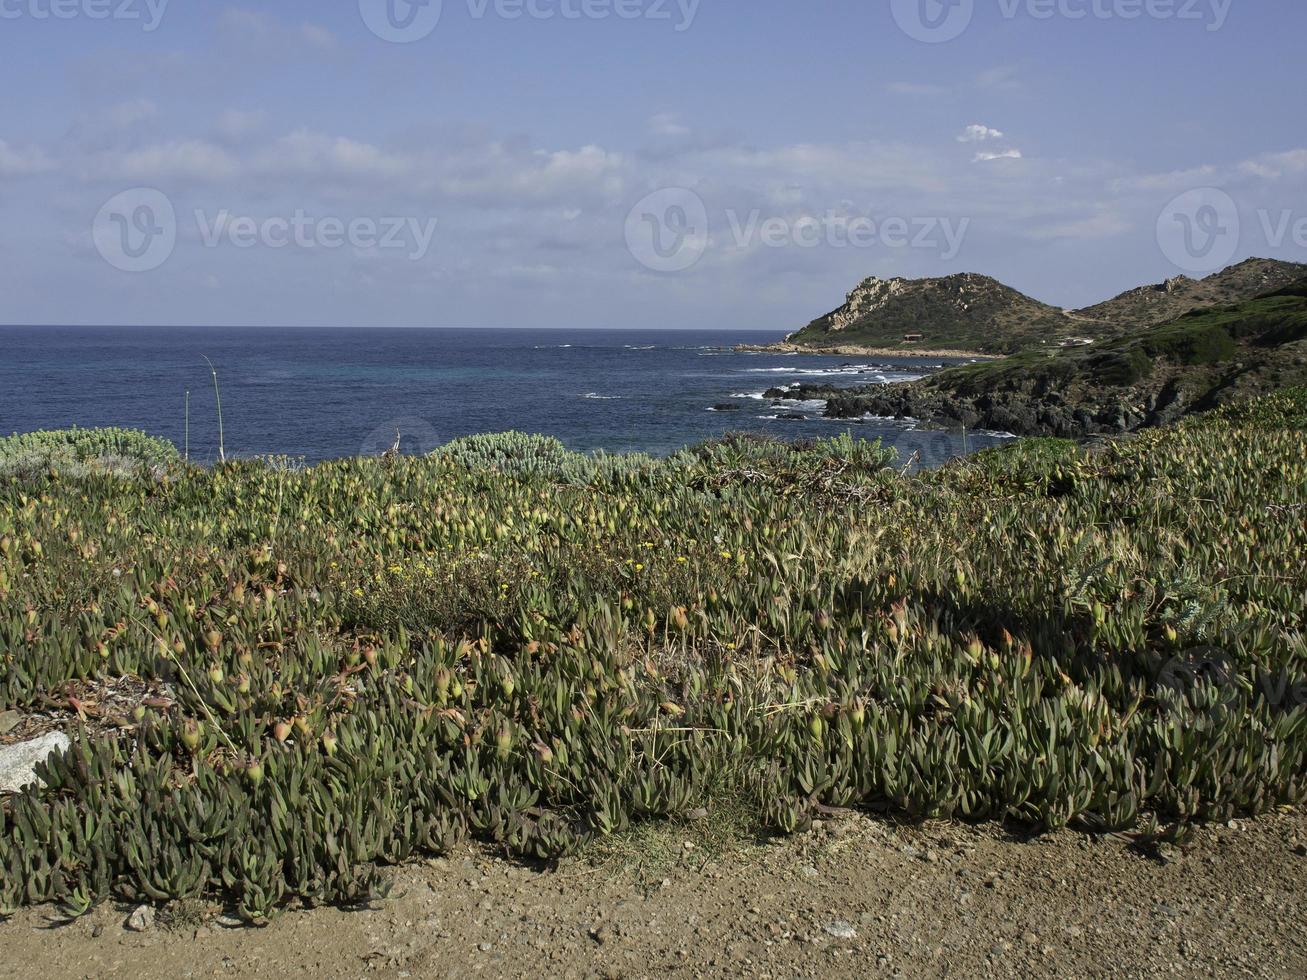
[{"x": 510, "y": 163}]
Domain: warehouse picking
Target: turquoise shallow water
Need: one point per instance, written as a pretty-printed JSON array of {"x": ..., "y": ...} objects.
[{"x": 322, "y": 394}]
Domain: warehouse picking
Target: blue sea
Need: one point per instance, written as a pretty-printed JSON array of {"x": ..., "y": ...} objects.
[{"x": 328, "y": 393}]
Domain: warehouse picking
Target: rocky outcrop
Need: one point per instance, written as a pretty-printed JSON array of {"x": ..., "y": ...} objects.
[{"x": 867, "y": 298}]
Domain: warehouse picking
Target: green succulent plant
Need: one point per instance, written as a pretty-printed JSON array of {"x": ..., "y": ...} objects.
[{"x": 364, "y": 662}]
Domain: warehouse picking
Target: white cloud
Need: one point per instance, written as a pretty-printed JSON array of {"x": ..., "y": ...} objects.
[
  {"x": 667, "y": 124},
  {"x": 1000, "y": 79},
  {"x": 1274, "y": 166},
  {"x": 126, "y": 114},
  {"x": 985, "y": 156},
  {"x": 24, "y": 162},
  {"x": 317, "y": 36},
  {"x": 235, "y": 125},
  {"x": 1104, "y": 224},
  {"x": 977, "y": 133},
  {"x": 178, "y": 159},
  {"x": 305, "y": 153}
]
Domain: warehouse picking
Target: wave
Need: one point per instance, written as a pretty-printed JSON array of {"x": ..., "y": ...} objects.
[
  {"x": 817, "y": 405},
  {"x": 878, "y": 374}
]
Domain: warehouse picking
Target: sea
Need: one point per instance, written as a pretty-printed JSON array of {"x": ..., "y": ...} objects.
[{"x": 317, "y": 394}]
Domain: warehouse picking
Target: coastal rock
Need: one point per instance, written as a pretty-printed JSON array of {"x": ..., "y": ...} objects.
[{"x": 18, "y": 762}]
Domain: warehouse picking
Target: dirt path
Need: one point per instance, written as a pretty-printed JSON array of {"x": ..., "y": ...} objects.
[{"x": 856, "y": 898}]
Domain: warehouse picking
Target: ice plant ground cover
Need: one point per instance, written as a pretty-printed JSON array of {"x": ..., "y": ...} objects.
[{"x": 278, "y": 679}]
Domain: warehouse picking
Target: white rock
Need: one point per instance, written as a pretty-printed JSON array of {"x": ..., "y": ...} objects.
[
  {"x": 841, "y": 930},
  {"x": 141, "y": 919},
  {"x": 18, "y": 762}
]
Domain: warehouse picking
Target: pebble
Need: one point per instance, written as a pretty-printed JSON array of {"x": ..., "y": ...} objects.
[
  {"x": 9, "y": 721},
  {"x": 141, "y": 919},
  {"x": 841, "y": 930}
]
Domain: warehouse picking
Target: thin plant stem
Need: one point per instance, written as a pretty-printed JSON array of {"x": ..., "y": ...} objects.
[{"x": 217, "y": 393}]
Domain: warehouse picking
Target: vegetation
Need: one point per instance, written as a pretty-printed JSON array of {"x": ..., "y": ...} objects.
[
  {"x": 83, "y": 451},
  {"x": 1194, "y": 363},
  {"x": 363, "y": 662}
]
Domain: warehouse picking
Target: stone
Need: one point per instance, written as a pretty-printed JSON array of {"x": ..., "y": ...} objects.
[
  {"x": 141, "y": 919},
  {"x": 841, "y": 930},
  {"x": 9, "y": 721},
  {"x": 18, "y": 762}
]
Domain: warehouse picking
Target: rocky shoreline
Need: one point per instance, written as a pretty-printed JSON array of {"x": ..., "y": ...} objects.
[
  {"x": 855, "y": 350},
  {"x": 1016, "y": 413}
]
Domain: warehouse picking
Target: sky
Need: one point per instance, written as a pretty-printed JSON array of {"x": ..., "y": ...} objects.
[{"x": 630, "y": 163}]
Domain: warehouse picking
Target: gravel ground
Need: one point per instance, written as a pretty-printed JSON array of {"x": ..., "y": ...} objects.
[{"x": 857, "y": 897}]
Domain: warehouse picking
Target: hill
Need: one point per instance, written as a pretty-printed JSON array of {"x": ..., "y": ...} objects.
[
  {"x": 964, "y": 312},
  {"x": 1148, "y": 306},
  {"x": 975, "y": 313},
  {"x": 1196, "y": 362}
]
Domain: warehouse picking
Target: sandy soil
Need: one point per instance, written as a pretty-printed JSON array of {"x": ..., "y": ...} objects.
[{"x": 858, "y": 897}]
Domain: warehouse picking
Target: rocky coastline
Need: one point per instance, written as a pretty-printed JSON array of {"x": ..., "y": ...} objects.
[
  {"x": 1018, "y": 413},
  {"x": 857, "y": 350}
]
